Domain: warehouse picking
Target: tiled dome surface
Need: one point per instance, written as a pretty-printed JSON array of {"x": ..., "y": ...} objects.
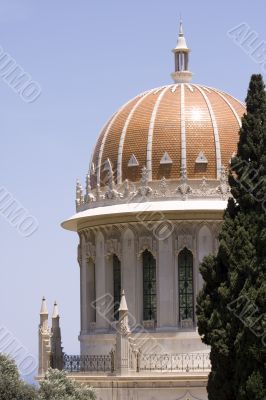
[{"x": 186, "y": 126}]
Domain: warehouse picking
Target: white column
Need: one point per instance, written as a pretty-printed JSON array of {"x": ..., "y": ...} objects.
[
  {"x": 129, "y": 269},
  {"x": 83, "y": 292},
  {"x": 109, "y": 273},
  {"x": 205, "y": 248},
  {"x": 165, "y": 284},
  {"x": 102, "y": 298},
  {"x": 91, "y": 313},
  {"x": 139, "y": 289}
]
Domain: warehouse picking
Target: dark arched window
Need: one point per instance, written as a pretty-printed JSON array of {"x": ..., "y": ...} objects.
[
  {"x": 185, "y": 285},
  {"x": 117, "y": 284},
  {"x": 149, "y": 286}
]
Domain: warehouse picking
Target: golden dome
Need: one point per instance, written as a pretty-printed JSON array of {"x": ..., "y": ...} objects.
[{"x": 174, "y": 128}]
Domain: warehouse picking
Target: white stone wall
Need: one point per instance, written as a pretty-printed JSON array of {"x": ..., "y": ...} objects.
[
  {"x": 128, "y": 241},
  {"x": 148, "y": 388}
]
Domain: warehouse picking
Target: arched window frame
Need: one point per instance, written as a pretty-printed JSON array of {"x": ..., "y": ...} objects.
[
  {"x": 117, "y": 284},
  {"x": 149, "y": 269},
  {"x": 185, "y": 278}
]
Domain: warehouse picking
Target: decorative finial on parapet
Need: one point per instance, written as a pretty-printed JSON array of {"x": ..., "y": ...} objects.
[
  {"x": 144, "y": 189},
  {"x": 126, "y": 188},
  {"x": 123, "y": 302},
  {"x": 89, "y": 198},
  {"x": 183, "y": 174},
  {"x": 223, "y": 188},
  {"x": 79, "y": 194},
  {"x": 111, "y": 193},
  {"x": 184, "y": 188},
  {"x": 144, "y": 176},
  {"x": 92, "y": 169},
  {"x": 99, "y": 195},
  {"x": 123, "y": 326},
  {"x": 108, "y": 167},
  {"x": 181, "y": 52},
  {"x": 88, "y": 183}
]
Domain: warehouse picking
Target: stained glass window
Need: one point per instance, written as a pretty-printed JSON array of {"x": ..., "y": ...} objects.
[
  {"x": 117, "y": 285},
  {"x": 149, "y": 286},
  {"x": 185, "y": 285}
]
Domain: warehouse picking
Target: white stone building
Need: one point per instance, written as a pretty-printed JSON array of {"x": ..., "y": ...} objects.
[{"x": 151, "y": 210}]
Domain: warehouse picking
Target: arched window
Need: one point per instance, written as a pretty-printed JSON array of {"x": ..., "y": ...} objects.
[
  {"x": 185, "y": 285},
  {"x": 117, "y": 284},
  {"x": 149, "y": 286}
]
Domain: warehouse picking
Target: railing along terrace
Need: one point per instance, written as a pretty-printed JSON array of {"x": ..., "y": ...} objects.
[
  {"x": 183, "y": 362},
  {"x": 87, "y": 363}
]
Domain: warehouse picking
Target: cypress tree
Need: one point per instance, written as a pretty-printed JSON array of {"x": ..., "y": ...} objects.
[{"x": 232, "y": 304}]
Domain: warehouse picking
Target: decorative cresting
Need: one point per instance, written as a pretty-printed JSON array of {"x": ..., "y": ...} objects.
[{"x": 146, "y": 190}]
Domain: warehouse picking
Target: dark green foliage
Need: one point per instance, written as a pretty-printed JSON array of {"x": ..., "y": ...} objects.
[
  {"x": 56, "y": 386},
  {"x": 232, "y": 305},
  {"x": 11, "y": 386}
]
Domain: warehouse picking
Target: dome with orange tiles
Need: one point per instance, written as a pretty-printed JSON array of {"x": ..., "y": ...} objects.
[
  {"x": 172, "y": 128},
  {"x": 164, "y": 146},
  {"x": 174, "y": 131}
]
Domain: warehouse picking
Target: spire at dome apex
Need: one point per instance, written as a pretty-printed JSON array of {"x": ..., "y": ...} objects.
[
  {"x": 181, "y": 53},
  {"x": 181, "y": 28}
]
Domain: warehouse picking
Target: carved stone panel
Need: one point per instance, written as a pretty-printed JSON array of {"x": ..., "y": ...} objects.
[
  {"x": 90, "y": 251},
  {"x": 147, "y": 243},
  {"x": 184, "y": 241},
  {"x": 113, "y": 246}
]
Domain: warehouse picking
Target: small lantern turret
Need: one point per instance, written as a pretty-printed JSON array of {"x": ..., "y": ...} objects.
[{"x": 181, "y": 53}]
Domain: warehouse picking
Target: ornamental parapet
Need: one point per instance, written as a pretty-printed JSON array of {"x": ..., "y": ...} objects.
[{"x": 143, "y": 191}]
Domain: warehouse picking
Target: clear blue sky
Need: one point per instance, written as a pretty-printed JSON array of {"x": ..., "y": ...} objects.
[{"x": 89, "y": 58}]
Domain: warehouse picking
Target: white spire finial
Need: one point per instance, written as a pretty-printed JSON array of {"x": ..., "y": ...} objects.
[
  {"x": 44, "y": 309},
  {"x": 181, "y": 33},
  {"x": 123, "y": 302},
  {"x": 55, "y": 311}
]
